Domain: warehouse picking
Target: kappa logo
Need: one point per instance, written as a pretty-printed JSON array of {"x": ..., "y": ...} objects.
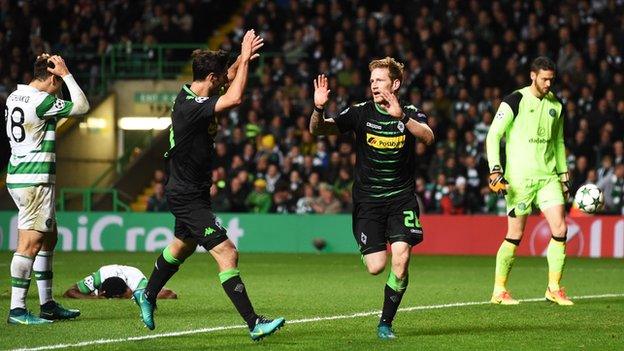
[
  {"x": 201, "y": 99},
  {"x": 381, "y": 142},
  {"x": 363, "y": 238},
  {"x": 541, "y": 235},
  {"x": 374, "y": 126}
]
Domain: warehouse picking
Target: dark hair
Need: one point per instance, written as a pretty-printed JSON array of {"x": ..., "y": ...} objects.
[
  {"x": 208, "y": 61},
  {"x": 113, "y": 287},
  {"x": 41, "y": 67},
  {"x": 543, "y": 63}
]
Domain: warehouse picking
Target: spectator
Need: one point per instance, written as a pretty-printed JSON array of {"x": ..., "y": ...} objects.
[
  {"x": 304, "y": 204},
  {"x": 613, "y": 190},
  {"x": 283, "y": 201},
  {"x": 157, "y": 202},
  {"x": 237, "y": 196},
  {"x": 326, "y": 203},
  {"x": 259, "y": 201}
]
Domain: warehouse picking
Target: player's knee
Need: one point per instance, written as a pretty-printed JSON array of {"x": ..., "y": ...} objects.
[
  {"x": 30, "y": 246},
  {"x": 375, "y": 268},
  {"x": 561, "y": 230},
  {"x": 226, "y": 254}
]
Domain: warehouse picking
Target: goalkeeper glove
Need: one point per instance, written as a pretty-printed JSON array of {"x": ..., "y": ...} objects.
[
  {"x": 497, "y": 181},
  {"x": 564, "y": 179}
]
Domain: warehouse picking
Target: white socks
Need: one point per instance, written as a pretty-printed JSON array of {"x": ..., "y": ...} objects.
[
  {"x": 21, "y": 267},
  {"x": 43, "y": 274}
]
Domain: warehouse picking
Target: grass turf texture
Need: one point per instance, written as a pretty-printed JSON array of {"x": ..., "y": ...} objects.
[{"x": 305, "y": 286}]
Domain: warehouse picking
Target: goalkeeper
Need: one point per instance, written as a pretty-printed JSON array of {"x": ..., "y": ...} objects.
[{"x": 531, "y": 119}]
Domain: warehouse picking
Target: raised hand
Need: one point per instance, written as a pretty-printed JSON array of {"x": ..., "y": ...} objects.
[
  {"x": 247, "y": 45},
  {"x": 256, "y": 44},
  {"x": 391, "y": 104},
  {"x": 321, "y": 91},
  {"x": 59, "y": 69}
]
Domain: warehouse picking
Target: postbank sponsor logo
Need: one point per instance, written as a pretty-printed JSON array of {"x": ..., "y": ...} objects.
[{"x": 382, "y": 142}]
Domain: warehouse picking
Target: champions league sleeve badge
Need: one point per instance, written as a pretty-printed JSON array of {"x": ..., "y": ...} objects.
[{"x": 401, "y": 126}]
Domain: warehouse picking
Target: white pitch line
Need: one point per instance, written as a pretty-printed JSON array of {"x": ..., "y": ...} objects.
[{"x": 294, "y": 321}]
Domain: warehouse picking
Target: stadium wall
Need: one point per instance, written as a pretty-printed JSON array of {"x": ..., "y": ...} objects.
[
  {"x": 599, "y": 236},
  {"x": 88, "y": 150}
]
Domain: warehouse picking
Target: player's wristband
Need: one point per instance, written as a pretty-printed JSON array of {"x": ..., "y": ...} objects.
[
  {"x": 405, "y": 119},
  {"x": 319, "y": 110}
]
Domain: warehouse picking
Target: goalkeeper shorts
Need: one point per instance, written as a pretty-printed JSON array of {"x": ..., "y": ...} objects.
[{"x": 522, "y": 193}]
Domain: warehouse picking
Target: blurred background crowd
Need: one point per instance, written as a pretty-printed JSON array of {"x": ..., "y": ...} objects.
[{"x": 461, "y": 59}]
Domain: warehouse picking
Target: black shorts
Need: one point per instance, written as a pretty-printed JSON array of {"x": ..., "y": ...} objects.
[
  {"x": 376, "y": 224},
  {"x": 195, "y": 220}
]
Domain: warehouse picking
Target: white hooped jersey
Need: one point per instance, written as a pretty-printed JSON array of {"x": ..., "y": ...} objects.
[
  {"x": 93, "y": 282},
  {"x": 31, "y": 117}
]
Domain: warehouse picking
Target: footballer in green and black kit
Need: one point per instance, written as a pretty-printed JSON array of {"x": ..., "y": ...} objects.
[
  {"x": 385, "y": 207},
  {"x": 189, "y": 168}
]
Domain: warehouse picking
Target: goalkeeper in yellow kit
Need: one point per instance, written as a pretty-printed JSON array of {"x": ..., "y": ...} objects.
[{"x": 531, "y": 119}]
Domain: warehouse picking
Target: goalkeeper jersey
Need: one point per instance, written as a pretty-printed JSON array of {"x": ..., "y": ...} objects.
[
  {"x": 31, "y": 117},
  {"x": 93, "y": 282},
  {"x": 533, "y": 130}
]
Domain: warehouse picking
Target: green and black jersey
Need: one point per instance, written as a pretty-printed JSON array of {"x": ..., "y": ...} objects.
[
  {"x": 191, "y": 139},
  {"x": 386, "y": 152}
]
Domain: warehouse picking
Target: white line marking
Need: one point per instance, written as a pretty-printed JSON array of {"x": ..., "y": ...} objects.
[{"x": 295, "y": 321}]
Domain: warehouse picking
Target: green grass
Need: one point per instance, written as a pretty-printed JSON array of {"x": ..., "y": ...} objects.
[{"x": 303, "y": 286}]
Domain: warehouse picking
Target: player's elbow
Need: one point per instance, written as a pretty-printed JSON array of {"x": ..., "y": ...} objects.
[
  {"x": 429, "y": 138},
  {"x": 81, "y": 108}
]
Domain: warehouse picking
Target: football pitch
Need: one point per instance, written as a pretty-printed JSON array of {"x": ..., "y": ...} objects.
[{"x": 331, "y": 303}]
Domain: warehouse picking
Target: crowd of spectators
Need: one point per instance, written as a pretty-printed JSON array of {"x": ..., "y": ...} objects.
[
  {"x": 84, "y": 30},
  {"x": 461, "y": 58}
]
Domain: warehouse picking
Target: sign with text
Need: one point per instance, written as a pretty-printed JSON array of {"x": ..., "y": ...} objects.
[{"x": 599, "y": 236}]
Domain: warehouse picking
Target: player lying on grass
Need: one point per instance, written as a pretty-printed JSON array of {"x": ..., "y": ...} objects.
[
  {"x": 531, "y": 119},
  {"x": 113, "y": 281}
]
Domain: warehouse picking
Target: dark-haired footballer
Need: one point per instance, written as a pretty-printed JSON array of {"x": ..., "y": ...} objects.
[
  {"x": 31, "y": 114},
  {"x": 113, "y": 281},
  {"x": 531, "y": 119},
  {"x": 189, "y": 177}
]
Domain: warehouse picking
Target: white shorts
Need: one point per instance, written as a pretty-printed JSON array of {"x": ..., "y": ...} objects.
[{"x": 36, "y": 206}]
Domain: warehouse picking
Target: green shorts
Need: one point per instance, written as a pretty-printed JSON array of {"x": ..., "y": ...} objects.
[{"x": 544, "y": 193}]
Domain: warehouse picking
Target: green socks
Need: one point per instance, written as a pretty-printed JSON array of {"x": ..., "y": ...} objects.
[{"x": 504, "y": 260}]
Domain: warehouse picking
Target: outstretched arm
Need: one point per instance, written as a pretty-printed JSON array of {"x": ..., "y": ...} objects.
[
  {"x": 318, "y": 124},
  {"x": 74, "y": 293}
]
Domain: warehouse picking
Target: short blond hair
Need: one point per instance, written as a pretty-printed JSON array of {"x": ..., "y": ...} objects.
[{"x": 395, "y": 68}]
